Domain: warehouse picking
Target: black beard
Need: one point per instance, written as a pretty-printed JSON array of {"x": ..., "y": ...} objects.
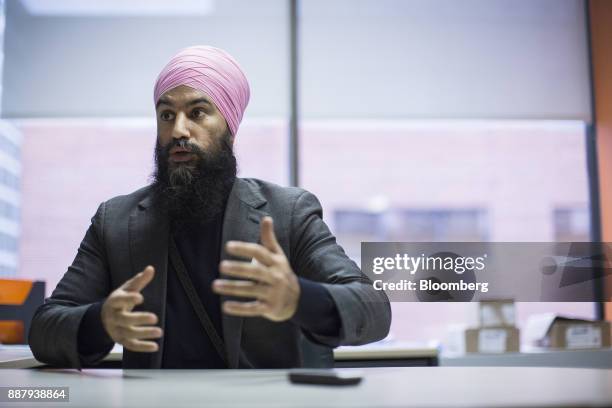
[{"x": 194, "y": 192}]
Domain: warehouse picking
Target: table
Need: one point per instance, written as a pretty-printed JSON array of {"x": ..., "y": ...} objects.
[
  {"x": 390, "y": 354},
  {"x": 533, "y": 358},
  {"x": 371, "y": 355},
  {"x": 17, "y": 356},
  {"x": 381, "y": 387}
]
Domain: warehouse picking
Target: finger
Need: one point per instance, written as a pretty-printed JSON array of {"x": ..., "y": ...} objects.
[
  {"x": 245, "y": 270},
  {"x": 241, "y": 288},
  {"x": 125, "y": 300},
  {"x": 268, "y": 238},
  {"x": 142, "y": 332},
  {"x": 141, "y": 346},
  {"x": 246, "y": 309},
  {"x": 126, "y": 319},
  {"x": 249, "y": 250},
  {"x": 138, "y": 282}
]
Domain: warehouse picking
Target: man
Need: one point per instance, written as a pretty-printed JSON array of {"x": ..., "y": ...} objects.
[{"x": 202, "y": 269}]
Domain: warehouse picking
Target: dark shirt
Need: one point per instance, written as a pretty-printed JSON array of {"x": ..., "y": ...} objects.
[{"x": 186, "y": 344}]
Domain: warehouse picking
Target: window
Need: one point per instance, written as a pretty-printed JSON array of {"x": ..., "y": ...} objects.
[
  {"x": 409, "y": 180},
  {"x": 401, "y": 225},
  {"x": 420, "y": 121},
  {"x": 89, "y": 133},
  {"x": 434, "y": 106},
  {"x": 571, "y": 224}
]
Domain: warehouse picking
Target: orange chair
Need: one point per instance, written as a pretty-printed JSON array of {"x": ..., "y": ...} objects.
[{"x": 19, "y": 299}]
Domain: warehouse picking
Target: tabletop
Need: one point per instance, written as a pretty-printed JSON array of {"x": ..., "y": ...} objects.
[{"x": 381, "y": 387}]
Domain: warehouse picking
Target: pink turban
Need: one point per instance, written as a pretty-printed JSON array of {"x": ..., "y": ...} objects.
[{"x": 212, "y": 71}]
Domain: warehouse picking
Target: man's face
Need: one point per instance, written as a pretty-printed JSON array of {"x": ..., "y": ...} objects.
[
  {"x": 187, "y": 113},
  {"x": 195, "y": 163}
]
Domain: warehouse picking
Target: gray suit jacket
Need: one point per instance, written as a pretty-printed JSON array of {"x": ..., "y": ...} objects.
[{"x": 127, "y": 233}]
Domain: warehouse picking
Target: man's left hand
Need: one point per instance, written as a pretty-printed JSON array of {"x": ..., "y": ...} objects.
[{"x": 269, "y": 278}]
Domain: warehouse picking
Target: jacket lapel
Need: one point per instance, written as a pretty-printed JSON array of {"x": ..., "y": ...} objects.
[
  {"x": 240, "y": 223},
  {"x": 148, "y": 231}
]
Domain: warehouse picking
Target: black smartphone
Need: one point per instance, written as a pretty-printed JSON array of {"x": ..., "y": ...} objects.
[{"x": 325, "y": 377}]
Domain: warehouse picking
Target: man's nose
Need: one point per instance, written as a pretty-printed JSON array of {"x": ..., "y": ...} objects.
[{"x": 180, "y": 129}]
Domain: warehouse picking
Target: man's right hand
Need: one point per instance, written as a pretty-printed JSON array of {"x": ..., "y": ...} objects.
[{"x": 131, "y": 329}]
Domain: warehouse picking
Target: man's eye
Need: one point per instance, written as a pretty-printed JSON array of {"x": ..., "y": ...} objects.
[
  {"x": 166, "y": 115},
  {"x": 198, "y": 113}
]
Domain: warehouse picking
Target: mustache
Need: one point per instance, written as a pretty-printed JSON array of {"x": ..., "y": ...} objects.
[{"x": 182, "y": 143}]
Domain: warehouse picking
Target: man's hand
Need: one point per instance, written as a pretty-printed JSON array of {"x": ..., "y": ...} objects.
[
  {"x": 126, "y": 327},
  {"x": 269, "y": 278}
]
